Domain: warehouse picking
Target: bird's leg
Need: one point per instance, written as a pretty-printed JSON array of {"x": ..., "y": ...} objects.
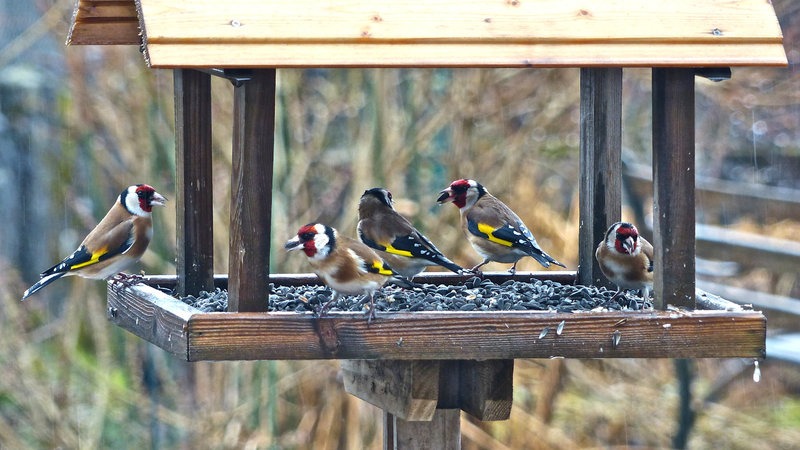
[
  {"x": 321, "y": 311},
  {"x": 478, "y": 272},
  {"x": 513, "y": 268},
  {"x": 371, "y": 308},
  {"x": 619, "y": 292}
]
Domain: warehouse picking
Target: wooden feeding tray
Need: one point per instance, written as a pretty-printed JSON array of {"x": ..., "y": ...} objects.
[
  {"x": 427, "y": 365},
  {"x": 191, "y": 334}
]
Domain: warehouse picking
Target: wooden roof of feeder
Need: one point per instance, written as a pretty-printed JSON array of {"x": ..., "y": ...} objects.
[{"x": 430, "y": 33}]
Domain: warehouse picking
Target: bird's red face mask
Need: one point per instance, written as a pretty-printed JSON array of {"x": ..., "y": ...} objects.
[
  {"x": 304, "y": 240},
  {"x": 456, "y": 193},
  {"x": 627, "y": 240}
]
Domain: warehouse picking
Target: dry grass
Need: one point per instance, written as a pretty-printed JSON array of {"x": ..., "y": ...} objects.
[{"x": 72, "y": 380}]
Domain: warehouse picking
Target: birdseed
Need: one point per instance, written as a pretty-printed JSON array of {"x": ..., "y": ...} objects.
[{"x": 474, "y": 295}]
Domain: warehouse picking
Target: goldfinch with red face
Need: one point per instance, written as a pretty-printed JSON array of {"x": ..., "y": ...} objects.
[
  {"x": 345, "y": 265},
  {"x": 626, "y": 259},
  {"x": 492, "y": 228},
  {"x": 115, "y": 244},
  {"x": 400, "y": 244}
]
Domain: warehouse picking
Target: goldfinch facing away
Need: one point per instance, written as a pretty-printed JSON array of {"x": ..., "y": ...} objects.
[
  {"x": 115, "y": 244},
  {"x": 400, "y": 244},
  {"x": 345, "y": 265},
  {"x": 492, "y": 228},
  {"x": 626, "y": 259}
]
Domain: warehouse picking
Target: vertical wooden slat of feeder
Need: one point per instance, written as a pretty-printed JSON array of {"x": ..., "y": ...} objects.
[
  {"x": 673, "y": 185},
  {"x": 486, "y": 388},
  {"x": 251, "y": 192},
  {"x": 195, "y": 259},
  {"x": 601, "y": 161},
  {"x": 442, "y": 432}
]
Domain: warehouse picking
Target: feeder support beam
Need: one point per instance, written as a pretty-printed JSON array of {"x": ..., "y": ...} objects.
[
  {"x": 601, "y": 165},
  {"x": 673, "y": 186},
  {"x": 193, "y": 185},
  {"x": 251, "y": 192}
]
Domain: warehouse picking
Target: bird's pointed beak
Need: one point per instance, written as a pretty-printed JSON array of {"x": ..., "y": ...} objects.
[
  {"x": 293, "y": 244},
  {"x": 445, "y": 196},
  {"x": 158, "y": 200},
  {"x": 629, "y": 244}
]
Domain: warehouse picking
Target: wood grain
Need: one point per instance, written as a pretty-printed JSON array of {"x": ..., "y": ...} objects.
[
  {"x": 600, "y": 166},
  {"x": 673, "y": 187},
  {"x": 104, "y": 22},
  {"x": 193, "y": 183},
  {"x": 450, "y": 335},
  {"x": 471, "y": 20},
  {"x": 151, "y": 315},
  {"x": 436, "y": 335},
  {"x": 486, "y": 388},
  {"x": 251, "y": 191},
  {"x": 443, "y": 432},
  {"x": 589, "y": 54},
  {"x": 409, "y": 390}
]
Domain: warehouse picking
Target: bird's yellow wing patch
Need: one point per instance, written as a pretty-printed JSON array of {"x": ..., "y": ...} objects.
[
  {"x": 489, "y": 230},
  {"x": 397, "y": 251},
  {"x": 94, "y": 259},
  {"x": 381, "y": 268}
]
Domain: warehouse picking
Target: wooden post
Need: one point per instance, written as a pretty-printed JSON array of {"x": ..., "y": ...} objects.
[
  {"x": 601, "y": 163},
  {"x": 194, "y": 206},
  {"x": 673, "y": 186},
  {"x": 442, "y": 432},
  {"x": 251, "y": 192}
]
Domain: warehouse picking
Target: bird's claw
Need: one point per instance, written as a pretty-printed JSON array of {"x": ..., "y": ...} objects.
[{"x": 123, "y": 280}]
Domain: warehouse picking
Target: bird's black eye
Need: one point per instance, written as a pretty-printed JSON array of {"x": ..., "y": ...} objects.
[
  {"x": 307, "y": 236},
  {"x": 141, "y": 194}
]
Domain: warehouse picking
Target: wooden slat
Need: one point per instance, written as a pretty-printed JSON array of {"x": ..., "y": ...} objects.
[
  {"x": 748, "y": 249},
  {"x": 673, "y": 186},
  {"x": 761, "y": 300},
  {"x": 443, "y": 432},
  {"x": 104, "y": 22},
  {"x": 541, "y": 33},
  {"x": 151, "y": 315},
  {"x": 600, "y": 161},
  {"x": 208, "y": 55},
  {"x": 472, "y": 20},
  {"x": 486, "y": 388},
  {"x": 194, "y": 199},
  {"x": 726, "y": 197},
  {"x": 409, "y": 390},
  {"x": 441, "y": 335},
  {"x": 251, "y": 191}
]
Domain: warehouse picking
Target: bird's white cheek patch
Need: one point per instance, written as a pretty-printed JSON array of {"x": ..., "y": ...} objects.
[{"x": 321, "y": 243}]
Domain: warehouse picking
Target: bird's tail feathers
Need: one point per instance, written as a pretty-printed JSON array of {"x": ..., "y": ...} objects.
[
  {"x": 42, "y": 283},
  {"x": 544, "y": 259},
  {"x": 403, "y": 282},
  {"x": 447, "y": 264}
]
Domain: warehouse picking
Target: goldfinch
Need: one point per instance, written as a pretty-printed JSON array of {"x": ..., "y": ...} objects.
[
  {"x": 345, "y": 265},
  {"x": 115, "y": 244},
  {"x": 404, "y": 248},
  {"x": 492, "y": 228},
  {"x": 626, "y": 259}
]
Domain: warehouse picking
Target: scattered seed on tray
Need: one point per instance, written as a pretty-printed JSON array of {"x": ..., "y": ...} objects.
[{"x": 474, "y": 295}]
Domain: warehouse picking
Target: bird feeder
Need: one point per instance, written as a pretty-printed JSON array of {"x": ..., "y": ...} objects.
[{"x": 425, "y": 366}]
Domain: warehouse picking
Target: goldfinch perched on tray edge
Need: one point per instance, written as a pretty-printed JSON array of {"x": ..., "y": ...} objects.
[
  {"x": 491, "y": 227},
  {"x": 344, "y": 264},
  {"x": 626, "y": 259},
  {"x": 115, "y": 244},
  {"x": 402, "y": 246}
]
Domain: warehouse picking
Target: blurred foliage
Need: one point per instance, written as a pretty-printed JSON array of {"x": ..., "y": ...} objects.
[{"x": 71, "y": 380}]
